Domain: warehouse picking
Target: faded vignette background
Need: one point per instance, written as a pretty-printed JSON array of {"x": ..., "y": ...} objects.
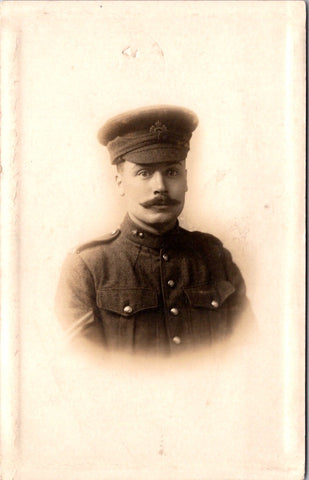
[{"x": 237, "y": 410}]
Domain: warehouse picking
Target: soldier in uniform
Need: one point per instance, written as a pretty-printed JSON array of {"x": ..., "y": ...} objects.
[{"x": 150, "y": 285}]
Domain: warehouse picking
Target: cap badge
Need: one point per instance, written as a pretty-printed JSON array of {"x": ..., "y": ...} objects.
[{"x": 159, "y": 129}]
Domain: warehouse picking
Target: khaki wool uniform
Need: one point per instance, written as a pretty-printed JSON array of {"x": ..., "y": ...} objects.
[{"x": 136, "y": 291}]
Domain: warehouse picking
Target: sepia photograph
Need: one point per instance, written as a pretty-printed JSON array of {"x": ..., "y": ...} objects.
[
  {"x": 153, "y": 240},
  {"x": 150, "y": 285}
]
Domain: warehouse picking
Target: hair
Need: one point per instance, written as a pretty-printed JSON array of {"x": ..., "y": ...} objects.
[{"x": 120, "y": 165}]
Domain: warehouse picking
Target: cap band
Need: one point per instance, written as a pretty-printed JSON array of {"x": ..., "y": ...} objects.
[
  {"x": 141, "y": 141},
  {"x": 155, "y": 154}
]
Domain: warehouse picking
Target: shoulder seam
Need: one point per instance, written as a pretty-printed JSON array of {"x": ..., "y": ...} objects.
[{"x": 108, "y": 238}]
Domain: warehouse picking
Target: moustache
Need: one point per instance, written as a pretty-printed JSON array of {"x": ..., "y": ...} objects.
[{"x": 160, "y": 200}]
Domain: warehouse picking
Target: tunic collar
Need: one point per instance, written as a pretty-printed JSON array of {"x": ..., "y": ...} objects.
[{"x": 142, "y": 237}]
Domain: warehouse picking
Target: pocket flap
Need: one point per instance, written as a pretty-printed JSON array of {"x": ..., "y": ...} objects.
[
  {"x": 210, "y": 296},
  {"x": 127, "y": 301}
]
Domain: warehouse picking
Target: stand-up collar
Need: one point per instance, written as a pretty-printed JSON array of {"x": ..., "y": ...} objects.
[{"x": 137, "y": 235}]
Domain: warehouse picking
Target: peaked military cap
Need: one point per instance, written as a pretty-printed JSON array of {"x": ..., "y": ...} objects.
[{"x": 149, "y": 135}]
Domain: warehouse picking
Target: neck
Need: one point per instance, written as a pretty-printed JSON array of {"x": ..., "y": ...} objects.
[{"x": 155, "y": 229}]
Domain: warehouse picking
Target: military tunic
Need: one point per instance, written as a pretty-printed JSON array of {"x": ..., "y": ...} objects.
[{"x": 137, "y": 291}]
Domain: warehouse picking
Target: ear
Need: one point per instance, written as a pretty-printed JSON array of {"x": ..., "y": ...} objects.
[
  {"x": 186, "y": 181},
  {"x": 119, "y": 183}
]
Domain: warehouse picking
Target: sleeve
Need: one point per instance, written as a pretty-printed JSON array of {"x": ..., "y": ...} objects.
[
  {"x": 76, "y": 302},
  {"x": 238, "y": 301}
]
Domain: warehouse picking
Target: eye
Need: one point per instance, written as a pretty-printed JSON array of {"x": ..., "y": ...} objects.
[
  {"x": 143, "y": 173},
  {"x": 172, "y": 172}
]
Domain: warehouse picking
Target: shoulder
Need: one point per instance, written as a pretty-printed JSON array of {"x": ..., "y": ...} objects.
[
  {"x": 211, "y": 246},
  {"x": 96, "y": 242},
  {"x": 208, "y": 238},
  {"x": 219, "y": 258},
  {"x": 202, "y": 238},
  {"x": 88, "y": 257}
]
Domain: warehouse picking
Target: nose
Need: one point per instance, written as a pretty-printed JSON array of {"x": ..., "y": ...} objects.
[{"x": 158, "y": 183}]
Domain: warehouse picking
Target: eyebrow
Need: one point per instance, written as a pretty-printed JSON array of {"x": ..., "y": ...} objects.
[{"x": 153, "y": 165}]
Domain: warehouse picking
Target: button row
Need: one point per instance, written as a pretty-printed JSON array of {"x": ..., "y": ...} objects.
[
  {"x": 174, "y": 311},
  {"x": 138, "y": 234},
  {"x": 177, "y": 340},
  {"x": 128, "y": 309}
]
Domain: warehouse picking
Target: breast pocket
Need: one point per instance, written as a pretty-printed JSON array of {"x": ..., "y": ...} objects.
[
  {"x": 210, "y": 297},
  {"x": 120, "y": 309},
  {"x": 209, "y": 309}
]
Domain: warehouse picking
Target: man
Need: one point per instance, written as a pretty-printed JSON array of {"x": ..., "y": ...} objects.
[{"x": 150, "y": 285}]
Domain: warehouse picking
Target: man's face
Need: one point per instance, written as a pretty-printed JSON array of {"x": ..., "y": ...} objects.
[{"x": 155, "y": 193}]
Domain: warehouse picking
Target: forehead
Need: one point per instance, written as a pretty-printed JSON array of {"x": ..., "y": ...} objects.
[{"x": 130, "y": 166}]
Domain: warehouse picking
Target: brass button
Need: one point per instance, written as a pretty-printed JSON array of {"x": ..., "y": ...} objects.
[
  {"x": 134, "y": 232},
  {"x": 177, "y": 340},
  {"x": 127, "y": 309},
  {"x": 165, "y": 257},
  {"x": 141, "y": 235},
  {"x": 215, "y": 304},
  {"x": 174, "y": 311},
  {"x": 171, "y": 283}
]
